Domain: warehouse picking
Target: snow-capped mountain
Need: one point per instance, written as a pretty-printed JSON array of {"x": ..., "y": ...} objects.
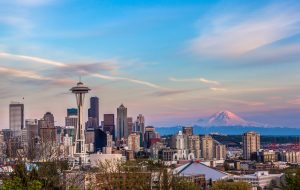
[{"x": 227, "y": 118}]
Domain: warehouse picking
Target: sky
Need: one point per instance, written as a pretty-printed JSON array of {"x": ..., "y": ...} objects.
[{"x": 172, "y": 61}]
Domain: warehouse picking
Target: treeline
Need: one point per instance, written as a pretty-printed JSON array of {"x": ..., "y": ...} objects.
[{"x": 137, "y": 175}]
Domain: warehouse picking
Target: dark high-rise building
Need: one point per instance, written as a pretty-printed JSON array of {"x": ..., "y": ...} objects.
[
  {"x": 93, "y": 113},
  {"x": 187, "y": 130},
  {"x": 122, "y": 129},
  {"x": 16, "y": 118},
  {"x": 100, "y": 140},
  {"x": 109, "y": 124},
  {"x": 149, "y": 134}
]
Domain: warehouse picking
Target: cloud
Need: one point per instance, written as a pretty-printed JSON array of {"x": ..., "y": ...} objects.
[
  {"x": 218, "y": 89},
  {"x": 238, "y": 34},
  {"x": 202, "y": 80},
  {"x": 32, "y": 75},
  {"x": 17, "y": 22},
  {"x": 295, "y": 101},
  {"x": 30, "y": 3},
  {"x": 243, "y": 102},
  {"x": 80, "y": 69},
  {"x": 169, "y": 92},
  {"x": 31, "y": 58},
  {"x": 21, "y": 73}
]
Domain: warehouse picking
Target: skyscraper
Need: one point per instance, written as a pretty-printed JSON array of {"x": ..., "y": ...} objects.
[
  {"x": 207, "y": 147},
  {"x": 93, "y": 113},
  {"x": 194, "y": 145},
  {"x": 149, "y": 134},
  {"x": 129, "y": 125},
  {"x": 251, "y": 144},
  {"x": 122, "y": 128},
  {"x": 140, "y": 124},
  {"x": 47, "y": 128},
  {"x": 72, "y": 118},
  {"x": 219, "y": 151},
  {"x": 16, "y": 118},
  {"x": 187, "y": 130},
  {"x": 109, "y": 124},
  {"x": 134, "y": 142},
  {"x": 32, "y": 131},
  {"x": 49, "y": 119}
]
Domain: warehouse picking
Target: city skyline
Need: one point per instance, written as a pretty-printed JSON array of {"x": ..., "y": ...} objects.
[{"x": 174, "y": 62}]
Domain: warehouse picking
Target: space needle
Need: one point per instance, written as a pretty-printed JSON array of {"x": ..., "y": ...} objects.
[{"x": 79, "y": 151}]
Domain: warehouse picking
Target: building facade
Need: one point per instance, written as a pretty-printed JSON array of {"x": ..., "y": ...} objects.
[
  {"x": 16, "y": 118},
  {"x": 134, "y": 142},
  {"x": 109, "y": 124},
  {"x": 251, "y": 144},
  {"x": 93, "y": 113},
  {"x": 122, "y": 128},
  {"x": 207, "y": 147}
]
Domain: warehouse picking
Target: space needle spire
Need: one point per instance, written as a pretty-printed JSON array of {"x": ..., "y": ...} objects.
[{"x": 79, "y": 151}]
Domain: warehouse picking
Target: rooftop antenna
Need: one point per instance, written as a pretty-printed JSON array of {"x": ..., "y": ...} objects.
[{"x": 79, "y": 78}]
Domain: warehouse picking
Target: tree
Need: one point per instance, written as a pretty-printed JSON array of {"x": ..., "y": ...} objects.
[
  {"x": 13, "y": 183},
  {"x": 291, "y": 180},
  {"x": 222, "y": 185},
  {"x": 138, "y": 175}
]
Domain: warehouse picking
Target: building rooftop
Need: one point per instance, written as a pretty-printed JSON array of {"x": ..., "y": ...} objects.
[{"x": 195, "y": 168}]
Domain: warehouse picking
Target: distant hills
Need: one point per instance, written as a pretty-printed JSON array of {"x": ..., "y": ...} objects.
[{"x": 226, "y": 122}]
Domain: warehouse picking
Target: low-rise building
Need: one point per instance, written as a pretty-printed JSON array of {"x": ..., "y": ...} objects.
[
  {"x": 260, "y": 179},
  {"x": 290, "y": 157}
]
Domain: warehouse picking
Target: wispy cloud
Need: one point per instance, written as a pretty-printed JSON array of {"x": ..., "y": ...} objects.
[
  {"x": 21, "y": 73},
  {"x": 31, "y": 3},
  {"x": 218, "y": 89},
  {"x": 295, "y": 101},
  {"x": 32, "y": 75},
  {"x": 31, "y": 58},
  {"x": 80, "y": 69},
  {"x": 238, "y": 101},
  {"x": 238, "y": 34},
  {"x": 202, "y": 80}
]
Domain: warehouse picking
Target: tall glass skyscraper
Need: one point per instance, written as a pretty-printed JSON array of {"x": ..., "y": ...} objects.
[
  {"x": 122, "y": 128},
  {"x": 16, "y": 118},
  {"x": 93, "y": 113}
]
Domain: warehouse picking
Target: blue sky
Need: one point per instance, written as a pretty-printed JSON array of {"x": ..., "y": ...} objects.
[{"x": 173, "y": 61}]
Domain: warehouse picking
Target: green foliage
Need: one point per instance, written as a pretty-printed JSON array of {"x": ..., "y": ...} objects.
[
  {"x": 46, "y": 177},
  {"x": 291, "y": 180},
  {"x": 34, "y": 185},
  {"x": 13, "y": 183},
  {"x": 225, "y": 185}
]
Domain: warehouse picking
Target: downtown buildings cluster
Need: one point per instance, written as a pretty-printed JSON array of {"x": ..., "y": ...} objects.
[{"x": 83, "y": 143}]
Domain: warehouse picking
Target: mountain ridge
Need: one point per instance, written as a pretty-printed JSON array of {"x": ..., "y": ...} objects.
[{"x": 227, "y": 118}]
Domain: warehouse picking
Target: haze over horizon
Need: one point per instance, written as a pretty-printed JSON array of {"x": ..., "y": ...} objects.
[{"x": 172, "y": 61}]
